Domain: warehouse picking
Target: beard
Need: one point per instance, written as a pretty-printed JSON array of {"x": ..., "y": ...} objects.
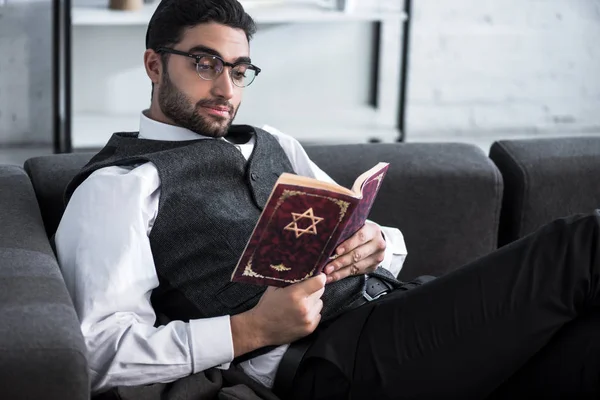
[{"x": 178, "y": 108}]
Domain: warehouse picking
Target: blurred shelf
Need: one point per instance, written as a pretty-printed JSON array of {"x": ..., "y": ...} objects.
[
  {"x": 359, "y": 124},
  {"x": 102, "y": 16}
]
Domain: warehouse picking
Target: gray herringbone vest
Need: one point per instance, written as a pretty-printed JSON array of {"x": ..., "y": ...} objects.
[{"x": 210, "y": 200}]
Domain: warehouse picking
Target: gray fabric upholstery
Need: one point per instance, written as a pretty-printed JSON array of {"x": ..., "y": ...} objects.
[
  {"x": 546, "y": 179},
  {"x": 42, "y": 353},
  {"x": 445, "y": 198},
  {"x": 50, "y": 176}
]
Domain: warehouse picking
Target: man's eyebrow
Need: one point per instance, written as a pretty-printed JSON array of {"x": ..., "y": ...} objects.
[{"x": 208, "y": 50}]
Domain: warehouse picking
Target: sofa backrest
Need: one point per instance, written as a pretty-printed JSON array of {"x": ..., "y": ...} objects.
[
  {"x": 50, "y": 176},
  {"x": 445, "y": 198},
  {"x": 546, "y": 179}
]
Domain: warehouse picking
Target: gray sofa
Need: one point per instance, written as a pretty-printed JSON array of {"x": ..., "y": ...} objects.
[
  {"x": 446, "y": 198},
  {"x": 545, "y": 180}
]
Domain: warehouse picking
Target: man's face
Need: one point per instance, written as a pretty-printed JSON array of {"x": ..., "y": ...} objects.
[{"x": 206, "y": 107}]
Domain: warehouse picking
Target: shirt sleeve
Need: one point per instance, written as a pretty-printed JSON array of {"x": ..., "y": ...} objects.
[
  {"x": 104, "y": 252},
  {"x": 395, "y": 251}
]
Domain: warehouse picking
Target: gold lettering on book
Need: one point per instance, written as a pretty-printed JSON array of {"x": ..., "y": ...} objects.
[
  {"x": 280, "y": 268},
  {"x": 308, "y": 214}
]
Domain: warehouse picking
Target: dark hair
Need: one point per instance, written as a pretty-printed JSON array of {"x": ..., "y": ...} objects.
[{"x": 172, "y": 17}]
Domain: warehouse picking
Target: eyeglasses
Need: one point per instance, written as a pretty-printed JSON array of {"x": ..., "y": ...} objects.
[{"x": 209, "y": 67}]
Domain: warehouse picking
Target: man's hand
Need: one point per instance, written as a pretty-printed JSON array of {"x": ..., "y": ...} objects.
[
  {"x": 282, "y": 315},
  {"x": 360, "y": 254}
]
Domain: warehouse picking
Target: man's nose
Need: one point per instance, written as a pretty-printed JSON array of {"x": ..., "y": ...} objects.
[{"x": 223, "y": 85}]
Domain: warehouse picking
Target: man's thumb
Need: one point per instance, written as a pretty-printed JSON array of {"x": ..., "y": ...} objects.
[
  {"x": 271, "y": 289},
  {"x": 315, "y": 283}
]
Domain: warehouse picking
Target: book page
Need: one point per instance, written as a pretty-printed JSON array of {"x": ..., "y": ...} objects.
[
  {"x": 305, "y": 181},
  {"x": 358, "y": 183},
  {"x": 356, "y": 190},
  {"x": 369, "y": 188}
]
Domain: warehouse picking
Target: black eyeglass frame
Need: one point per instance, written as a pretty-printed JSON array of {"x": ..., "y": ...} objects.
[{"x": 197, "y": 57}]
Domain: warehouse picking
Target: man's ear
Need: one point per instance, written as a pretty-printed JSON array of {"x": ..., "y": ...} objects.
[{"x": 153, "y": 65}]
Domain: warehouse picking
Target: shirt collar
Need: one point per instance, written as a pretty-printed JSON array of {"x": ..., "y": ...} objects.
[{"x": 154, "y": 130}]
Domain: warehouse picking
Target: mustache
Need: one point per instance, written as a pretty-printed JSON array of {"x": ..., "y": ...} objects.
[{"x": 215, "y": 103}]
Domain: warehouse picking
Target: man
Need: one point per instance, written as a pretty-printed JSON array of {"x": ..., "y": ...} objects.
[{"x": 155, "y": 223}]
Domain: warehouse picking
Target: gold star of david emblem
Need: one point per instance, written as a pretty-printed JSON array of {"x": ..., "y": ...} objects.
[{"x": 308, "y": 214}]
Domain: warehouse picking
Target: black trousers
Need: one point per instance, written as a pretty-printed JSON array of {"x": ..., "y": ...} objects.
[{"x": 524, "y": 320}]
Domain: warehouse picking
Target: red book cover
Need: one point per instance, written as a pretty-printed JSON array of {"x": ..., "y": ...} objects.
[{"x": 301, "y": 225}]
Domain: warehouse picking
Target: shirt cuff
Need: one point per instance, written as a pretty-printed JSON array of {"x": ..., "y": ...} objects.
[
  {"x": 211, "y": 343},
  {"x": 395, "y": 250}
]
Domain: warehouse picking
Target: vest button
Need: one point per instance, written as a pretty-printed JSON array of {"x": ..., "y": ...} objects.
[{"x": 254, "y": 176}]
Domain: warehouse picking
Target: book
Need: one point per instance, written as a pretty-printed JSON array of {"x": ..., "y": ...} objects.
[{"x": 303, "y": 222}]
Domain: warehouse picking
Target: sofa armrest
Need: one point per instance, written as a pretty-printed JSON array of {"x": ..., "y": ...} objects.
[
  {"x": 546, "y": 179},
  {"x": 444, "y": 197},
  {"x": 42, "y": 352}
]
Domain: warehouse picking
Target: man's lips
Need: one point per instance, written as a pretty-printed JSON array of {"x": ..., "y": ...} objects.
[{"x": 218, "y": 110}]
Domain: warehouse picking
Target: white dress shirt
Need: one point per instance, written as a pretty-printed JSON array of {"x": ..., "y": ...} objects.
[{"x": 104, "y": 252}]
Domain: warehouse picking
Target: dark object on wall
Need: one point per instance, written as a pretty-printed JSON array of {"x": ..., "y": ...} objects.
[
  {"x": 61, "y": 71},
  {"x": 404, "y": 70}
]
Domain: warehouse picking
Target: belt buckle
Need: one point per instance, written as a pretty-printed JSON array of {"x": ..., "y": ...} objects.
[{"x": 368, "y": 297}]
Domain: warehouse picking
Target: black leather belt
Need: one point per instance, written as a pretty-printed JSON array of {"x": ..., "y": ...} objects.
[{"x": 374, "y": 289}]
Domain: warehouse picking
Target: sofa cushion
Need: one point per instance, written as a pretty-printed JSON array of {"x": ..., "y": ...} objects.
[
  {"x": 445, "y": 198},
  {"x": 546, "y": 179},
  {"x": 50, "y": 176}
]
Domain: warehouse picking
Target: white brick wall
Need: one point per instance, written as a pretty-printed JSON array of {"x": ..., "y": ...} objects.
[
  {"x": 25, "y": 73},
  {"x": 487, "y": 69}
]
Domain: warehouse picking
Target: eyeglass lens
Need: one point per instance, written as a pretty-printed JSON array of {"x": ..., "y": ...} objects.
[{"x": 210, "y": 67}]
